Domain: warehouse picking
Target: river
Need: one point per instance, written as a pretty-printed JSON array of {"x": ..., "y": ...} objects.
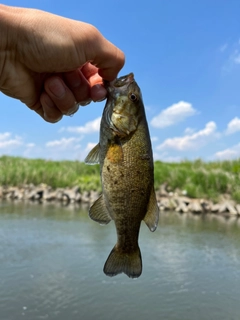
[{"x": 51, "y": 261}]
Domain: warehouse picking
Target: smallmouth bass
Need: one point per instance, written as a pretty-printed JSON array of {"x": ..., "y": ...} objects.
[{"x": 126, "y": 168}]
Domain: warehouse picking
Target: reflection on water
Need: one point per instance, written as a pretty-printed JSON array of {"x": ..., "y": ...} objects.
[{"x": 51, "y": 261}]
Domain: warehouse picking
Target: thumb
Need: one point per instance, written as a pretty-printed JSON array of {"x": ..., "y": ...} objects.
[{"x": 102, "y": 53}]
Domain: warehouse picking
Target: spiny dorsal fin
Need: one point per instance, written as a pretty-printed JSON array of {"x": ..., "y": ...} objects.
[
  {"x": 152, "y": 215},
  {"x": 93, "y": 156},
  {"x": 98, "y": 211}
]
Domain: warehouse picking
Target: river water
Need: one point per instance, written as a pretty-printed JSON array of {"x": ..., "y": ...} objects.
[{"x": 51, "y": 261}]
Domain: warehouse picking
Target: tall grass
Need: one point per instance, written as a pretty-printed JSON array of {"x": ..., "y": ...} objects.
[
  {"x": 201, "y": 179},
  {"x": 197, "y": 178},
  {"x": 16, "y": 171}
]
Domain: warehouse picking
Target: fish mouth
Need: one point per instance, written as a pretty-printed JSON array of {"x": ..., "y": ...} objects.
[{"x": 123, "y": 81}]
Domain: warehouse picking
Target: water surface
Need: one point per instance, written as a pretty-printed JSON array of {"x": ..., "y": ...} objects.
[{"x": 51, "y": 261}]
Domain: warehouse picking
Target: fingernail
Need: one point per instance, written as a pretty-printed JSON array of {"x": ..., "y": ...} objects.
[
  {"x": 100, "y": 99},
  {"x": 73, "y": 110},
  {"x": 98, "y": 93},
  {"x": 57, "y": 88},
  {"x": 85, "y": 103},
  {"x": 52, "y": 120}
]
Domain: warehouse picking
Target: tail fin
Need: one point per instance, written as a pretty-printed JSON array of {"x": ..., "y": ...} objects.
[{"x": 128, "y": 263}]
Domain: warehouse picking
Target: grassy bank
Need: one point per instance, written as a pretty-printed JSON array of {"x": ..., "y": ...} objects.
[
  {"x": 15, "y": 171},
  {"x": 201, "y": 179},
  {"x": 198, "y": 178}
]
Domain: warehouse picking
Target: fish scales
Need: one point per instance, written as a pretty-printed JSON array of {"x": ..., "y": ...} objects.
[{"x": 126, "y": 164}]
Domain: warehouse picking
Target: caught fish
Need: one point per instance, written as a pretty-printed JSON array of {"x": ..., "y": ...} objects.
[{"x": 126, "y": 164}]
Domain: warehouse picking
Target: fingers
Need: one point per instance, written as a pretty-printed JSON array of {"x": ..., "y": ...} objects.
[
  {"x": 97, "y": 90},
  {"x": 48, "y": 109},
  {"x": 79, "y": 86},
  {"x": 109, "y": 68},
  {"x": 57, "y": 100},
  {"x": 65, "y": 92},
  {"x": 60, "y": 94},
  {"x": 98, "y": 93},
  {"x": 102, "y": 53}
]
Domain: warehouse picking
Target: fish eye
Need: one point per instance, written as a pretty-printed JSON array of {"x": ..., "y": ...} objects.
[{"x": 133, "y": 97}]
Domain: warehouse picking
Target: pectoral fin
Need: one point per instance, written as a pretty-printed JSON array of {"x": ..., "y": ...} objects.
[
  {"x": 93, "y": 156},
  {"x": 152, "y": 215},
  {"x": 98, "y": 211}
]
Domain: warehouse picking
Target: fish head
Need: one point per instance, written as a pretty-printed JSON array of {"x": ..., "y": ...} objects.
[
  {"x": 124, "y": 105},
  {"x": 123, "y": 86}
]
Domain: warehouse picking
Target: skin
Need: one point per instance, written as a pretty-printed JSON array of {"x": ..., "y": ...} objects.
[{"x": 53, "y": 64}]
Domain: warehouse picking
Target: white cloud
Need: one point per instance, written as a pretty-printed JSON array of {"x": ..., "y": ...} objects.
[
  {"x": 154, "y": 139},
  {"x": 4, "y": 136},
  {"x": 89, "y": 127},
  {"x": 64, "y": 143},
  {"x": 223, "y": 47},
  {"x": 173, "y": 114},
  {"x": 90, "y": 146},
  {"x": 61, "y": 149},
  {"x": 230, "y": 153},
  {"x": 189, "y": 130},
  {"x": 191, "y": 141},
  {"x": 30, "y": 145},
  {"x": 7, "y": 141},
  {"x": 233, "y": 52},
  {"x": 235, "y": 57},
  {"x": 165, "y": 157},
  {"x": 233, "y": 126}
]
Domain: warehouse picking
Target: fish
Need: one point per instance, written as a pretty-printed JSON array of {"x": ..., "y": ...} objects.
[{"x": 124, "y": 153}]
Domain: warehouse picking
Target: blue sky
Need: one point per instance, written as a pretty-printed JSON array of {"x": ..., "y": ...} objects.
[{"x": 185, "y": 55}]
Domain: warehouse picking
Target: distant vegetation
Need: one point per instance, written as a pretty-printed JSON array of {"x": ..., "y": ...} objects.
[
  {"x": 15, "y": 171},
  {"x": 199, "y": 179}
]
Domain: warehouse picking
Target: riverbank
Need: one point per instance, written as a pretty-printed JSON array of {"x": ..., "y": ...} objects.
[
  {"x": 187, "y": 186},
  {"x": 167, "y": 201}
]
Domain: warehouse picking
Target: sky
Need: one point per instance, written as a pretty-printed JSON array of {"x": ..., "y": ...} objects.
[{"x": 185, "y": 56}]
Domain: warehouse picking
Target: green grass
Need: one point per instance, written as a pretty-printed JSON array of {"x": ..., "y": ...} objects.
[
  {"x": 198, "y": 178},
  {"x": 201, "y": 179},
  {"x": 16, "y": 171}
]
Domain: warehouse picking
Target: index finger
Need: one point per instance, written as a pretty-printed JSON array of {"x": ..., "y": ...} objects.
[{"x": 90, "y": 72}]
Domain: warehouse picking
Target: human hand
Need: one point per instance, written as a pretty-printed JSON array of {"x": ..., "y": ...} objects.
[{"x": 51, "y": 63}]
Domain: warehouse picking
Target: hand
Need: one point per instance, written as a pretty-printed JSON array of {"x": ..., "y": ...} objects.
[{"x": 51, "y": 63}]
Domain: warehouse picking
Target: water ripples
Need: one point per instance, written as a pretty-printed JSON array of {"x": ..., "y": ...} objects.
[{"x": 51, "y": 268}]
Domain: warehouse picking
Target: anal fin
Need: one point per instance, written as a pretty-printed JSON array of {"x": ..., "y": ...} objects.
[
  {"x": 152, "y": 216},
  {"x": 98, "y": 211}
]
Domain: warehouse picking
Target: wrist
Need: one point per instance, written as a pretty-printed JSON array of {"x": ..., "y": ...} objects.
[
  {"x": 9, "y": 23},
  {"x": 8, "y": 35}
]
